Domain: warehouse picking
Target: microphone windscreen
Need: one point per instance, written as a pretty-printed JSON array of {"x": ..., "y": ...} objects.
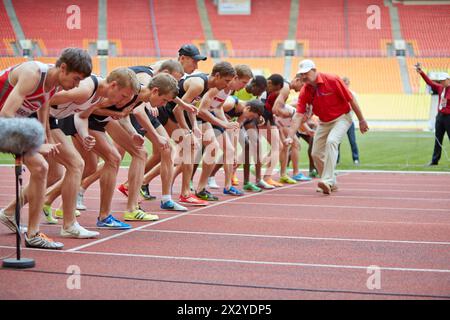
[{"x": 20, "y": 135}]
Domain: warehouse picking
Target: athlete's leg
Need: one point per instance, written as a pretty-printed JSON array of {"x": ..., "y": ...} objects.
[
  {"x": 108, "y": 172},
  {"x": 38, "y": 168},
  {"x": 211, "y": 146},
  {"x": 137, "y": 165},
  {"x": 74, "y": 165}
]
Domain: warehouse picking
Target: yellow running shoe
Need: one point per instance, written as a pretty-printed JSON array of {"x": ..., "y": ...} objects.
[
  {"x": 48, "y": 214},
  {"x": 287, "y": 179},
  {"x": 139, "y": 215},
  {"x": 59, "y": 213}
]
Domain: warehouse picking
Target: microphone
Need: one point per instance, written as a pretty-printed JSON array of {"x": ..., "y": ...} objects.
[{"x": 20, "y": 135}]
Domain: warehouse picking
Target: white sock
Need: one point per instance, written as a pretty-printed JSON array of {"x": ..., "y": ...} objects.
[
  {"x": 166, "y": 198},
  {"x": 82, "y": 191}
]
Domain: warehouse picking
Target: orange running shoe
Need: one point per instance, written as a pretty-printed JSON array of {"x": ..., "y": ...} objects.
[
  {"x": 273, "y": 183},
  {"x": 192, "y": 200},
  {"x": 234, "y": 180}
]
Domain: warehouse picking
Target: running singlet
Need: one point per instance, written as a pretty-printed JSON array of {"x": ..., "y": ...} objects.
[
  {"x": 32, "y": 102},
  {"x": 270, "y": 101},
  {"x": 285, "y": 122},
  {"x": 67, "y": 109},
  {"x": 103, "y": 120},
  {"x": 218, "y": 100},
  {"x": 171, "y": 105}
]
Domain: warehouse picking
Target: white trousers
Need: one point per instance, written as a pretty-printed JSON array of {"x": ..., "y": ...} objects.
[{"x": 327, "y": 138}]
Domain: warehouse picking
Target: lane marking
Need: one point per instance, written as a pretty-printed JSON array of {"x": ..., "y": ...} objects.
[
  {"x": 238, "y": 261},
  {"x": 335, "y": 206},
  {"x": 296, "y": 237}
]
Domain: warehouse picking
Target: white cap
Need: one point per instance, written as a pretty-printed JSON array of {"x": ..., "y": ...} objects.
[
  {"x": 305, "y": 66},
  {"x": 442, "y": 76}
]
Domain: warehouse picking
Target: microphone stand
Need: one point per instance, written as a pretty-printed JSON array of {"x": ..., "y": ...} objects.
[{"x": 18, "y": 263}]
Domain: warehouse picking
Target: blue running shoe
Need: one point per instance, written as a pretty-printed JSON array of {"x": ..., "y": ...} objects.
[
  {"x": 173, "y": 206},
  {"x": 301, "y": 177},
  {"x": 112, "y": 223},
  {"x": 232, "y": 191}
]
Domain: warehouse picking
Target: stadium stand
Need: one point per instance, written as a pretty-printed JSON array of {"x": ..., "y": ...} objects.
[
  {"x": 176, "y": 28},
  {"x": 363, "y": 41},
  {"x": 48, "y": 21},
  {"x": 269, "y": 18},
  {"x": 340, "y": 43},
  {"x": 324, "y": 38},
  {"x": 132, "y": 26},
  {"x": 426, "y": 27},
  {"x": 6, "y": 62},
  {"x": 264, "y": 66},
  {"x": 368, "y": 75},
  {"x": 6, "y": 32}
]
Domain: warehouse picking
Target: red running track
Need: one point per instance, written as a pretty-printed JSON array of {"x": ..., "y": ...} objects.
[{"x": 289, "y": 243}]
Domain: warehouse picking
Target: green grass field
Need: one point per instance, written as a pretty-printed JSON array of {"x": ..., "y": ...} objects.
[{"x": 379, "y": 150}]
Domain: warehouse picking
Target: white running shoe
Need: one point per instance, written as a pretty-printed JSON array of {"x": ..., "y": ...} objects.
[
  {"x": 212, "y": 183},
  {"x": 10, "y": 222},
  {"x": 41, "y": 241},
  {"x": 78, "y": 232},
  {"x": 80, "y": 200},
  {"x": 264, "y": 185}
]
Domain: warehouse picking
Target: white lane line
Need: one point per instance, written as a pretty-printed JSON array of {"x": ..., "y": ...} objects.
[
  {"x": 392, "y": 190},
  {"x": 344, "y": 207},
  {"x": 362, "y": 197},
  {"x": 296, "y": 237},
  {"x": 238, "y": 261}
]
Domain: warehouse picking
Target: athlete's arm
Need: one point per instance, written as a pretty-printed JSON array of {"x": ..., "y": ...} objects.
[
  {"x": 195, "y": 88},
  {"x": 185, "y": 106},
  {"x": 203, "y": 109},
  {"x": 278, "y": 106},
  {"x": 43, "y": 116},
  {"x": 297, "y": 122},
  {"x": 125, "y": 122},
  {"x": 28, "y": 80},
  {"x": 77, "y": 95},
  {"x": 145, "y": 122}
]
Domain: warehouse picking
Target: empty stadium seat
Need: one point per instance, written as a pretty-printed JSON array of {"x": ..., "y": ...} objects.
[
  {"x": 426, "y": 27},
  {"x": 177, "y": 23},
  {"x": 47, "y": 20},
  {"x": 321, "y": 22},
  {"x": 362, "y": 40},
  {"x": 269, "y": 22},
  {"x": 6, "y": 32},
  {"x": 130, "y": 23},
  {"x": 367, "y": 75}
]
